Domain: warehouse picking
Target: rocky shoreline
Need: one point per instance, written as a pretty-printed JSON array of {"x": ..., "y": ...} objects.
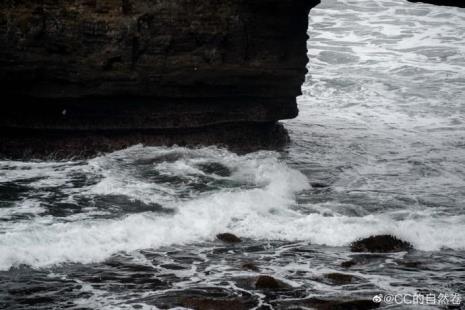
[
  {"x": 272, "y": 287},
  {"x": 82, "y": 144}
]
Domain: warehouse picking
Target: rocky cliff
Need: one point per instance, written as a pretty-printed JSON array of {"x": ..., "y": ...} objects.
[
  {"x": 458, "y": 3},
  {"x": 150, "y": 64}
]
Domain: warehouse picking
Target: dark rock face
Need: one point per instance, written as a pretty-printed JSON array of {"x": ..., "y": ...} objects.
[
  {"x": 59, "y": 144},
  {"x": 141, "y": 64},
  {"x": 380, "y": 244},
  {"x": 228, "y": 238},
  {"x": 458, "y": 3}
]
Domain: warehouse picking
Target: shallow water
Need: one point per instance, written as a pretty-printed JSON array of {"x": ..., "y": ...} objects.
[{"x": 381, "y": 136}]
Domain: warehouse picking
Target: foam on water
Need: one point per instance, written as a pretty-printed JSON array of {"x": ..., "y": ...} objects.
[
  {"x": 261, "y": 206},
  {"x": 381, "y": 135},
  {"x": 382, "y": 122},
  {"x": 200, "y": 218}
]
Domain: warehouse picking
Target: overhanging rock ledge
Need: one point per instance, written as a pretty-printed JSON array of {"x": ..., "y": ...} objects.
[{"x": 158, "y": 66}]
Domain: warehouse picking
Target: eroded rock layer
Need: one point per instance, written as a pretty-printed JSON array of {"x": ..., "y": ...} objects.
[{"x": 150, "y": 64}]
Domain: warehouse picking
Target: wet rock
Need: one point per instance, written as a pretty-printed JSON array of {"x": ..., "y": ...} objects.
[
  {"x": 380, "y": 244},
  {"x": 348, "y": 263},
  {"x": 77, "y": 144},
  {"x": 250, "y": 266},
  {"x": 228, "y": 238},
  {"x": 269, "y": 283},
  {"x": 319, "y": 185},
  {"x": 126, "y": 6},
  {"x": 458, "y": 3},
  {"x": 162, "y": 66},
  {"x": 339, "y": 278},
  {"x": 213, "y": 304}
]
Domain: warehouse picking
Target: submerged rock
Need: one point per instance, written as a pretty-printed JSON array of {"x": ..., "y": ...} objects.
[
  {"x": 364, "y": 259},
  {"x": 319, "y": 185},
  {"x": 250, "y": 266},
  {"x": 269, "y": 283},
  {"x": 348, "y": 263},
  {"x": 228, "y": 238},
  {"x": 339, "y": 278},
  {"x": 380, "y": 244}
]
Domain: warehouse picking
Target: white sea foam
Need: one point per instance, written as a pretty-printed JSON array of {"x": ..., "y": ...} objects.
[
  {"x": 382, "y": 117},
  {"x": 262, "y": 212},
  {"x": 195, "y": 220}
]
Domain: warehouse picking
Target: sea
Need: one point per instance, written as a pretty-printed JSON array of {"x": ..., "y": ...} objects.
[{"x": 378, "y": 148}]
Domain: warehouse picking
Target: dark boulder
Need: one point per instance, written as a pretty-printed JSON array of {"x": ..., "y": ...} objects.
[
  {"x": 380, "y": 244},
  {"x": 228, "y": 238},
  {"x": 269, "y": 283},
  {"x": 319, "y": 185},
  {"x": 348, "y": 263}
]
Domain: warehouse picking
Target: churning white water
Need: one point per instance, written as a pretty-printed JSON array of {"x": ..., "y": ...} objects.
[
  {"x": 383, "y": 120},
  {"x": 258, "y": 189},
  {"x": 381, "y": 135}
]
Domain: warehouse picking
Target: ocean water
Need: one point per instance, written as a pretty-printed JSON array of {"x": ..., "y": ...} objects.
[{"x": 378, "y": 148}]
